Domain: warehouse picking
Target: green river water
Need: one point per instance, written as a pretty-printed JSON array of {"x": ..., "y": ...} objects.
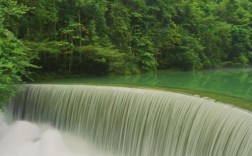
[{"x": 229, "y": 82}]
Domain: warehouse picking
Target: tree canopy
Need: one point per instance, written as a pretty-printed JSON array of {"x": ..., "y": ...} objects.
[
  {"x": 14, "y": 58},
  {"x": 137, "y": 35}
]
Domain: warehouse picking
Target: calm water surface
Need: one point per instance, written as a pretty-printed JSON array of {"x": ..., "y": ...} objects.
[{"x": 231, "y": 82}]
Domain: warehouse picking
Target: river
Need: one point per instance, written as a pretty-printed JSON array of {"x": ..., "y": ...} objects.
[{"x": 229, "y": 82}]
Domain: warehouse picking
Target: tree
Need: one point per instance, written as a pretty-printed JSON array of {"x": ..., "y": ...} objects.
[
  {"x": 14, "y": 59},
  {"x": 145, "y": 35}
]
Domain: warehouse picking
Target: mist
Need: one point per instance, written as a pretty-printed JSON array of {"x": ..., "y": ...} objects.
[{"x": 23, "y": 138}]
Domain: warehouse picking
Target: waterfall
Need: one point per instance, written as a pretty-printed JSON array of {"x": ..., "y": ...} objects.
[{"x": 138, "y": 122}]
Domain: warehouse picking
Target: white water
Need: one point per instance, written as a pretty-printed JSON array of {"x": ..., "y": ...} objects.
[
  {"x": 24, "y": 138},
  {"x": 137, "y": 122}
]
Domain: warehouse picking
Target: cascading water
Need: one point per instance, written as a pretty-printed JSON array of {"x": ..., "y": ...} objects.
[{"x": 138, "y": 122}]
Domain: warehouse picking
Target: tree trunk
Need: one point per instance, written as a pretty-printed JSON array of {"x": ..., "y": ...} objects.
[{"x": 80, "y": 42}]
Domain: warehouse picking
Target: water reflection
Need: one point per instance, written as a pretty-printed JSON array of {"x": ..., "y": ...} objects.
[{"x": 231, "y": 82}]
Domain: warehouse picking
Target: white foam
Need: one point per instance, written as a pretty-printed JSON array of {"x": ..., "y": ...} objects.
[{"x": 27, "y": 139}]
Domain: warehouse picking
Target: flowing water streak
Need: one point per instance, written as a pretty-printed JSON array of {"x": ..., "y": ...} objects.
[{"x": 138, "y": 122}]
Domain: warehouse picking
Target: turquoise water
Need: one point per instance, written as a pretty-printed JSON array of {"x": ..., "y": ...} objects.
[{"x": 231, "y": 82}]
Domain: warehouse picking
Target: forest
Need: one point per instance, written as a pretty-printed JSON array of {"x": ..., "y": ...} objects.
[{"x": 100, "y": 37}]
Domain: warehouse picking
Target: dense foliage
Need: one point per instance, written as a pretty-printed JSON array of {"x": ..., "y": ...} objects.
[
  {"x": 14, "y": 59},
  {"x": 119, "y": 36}
]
